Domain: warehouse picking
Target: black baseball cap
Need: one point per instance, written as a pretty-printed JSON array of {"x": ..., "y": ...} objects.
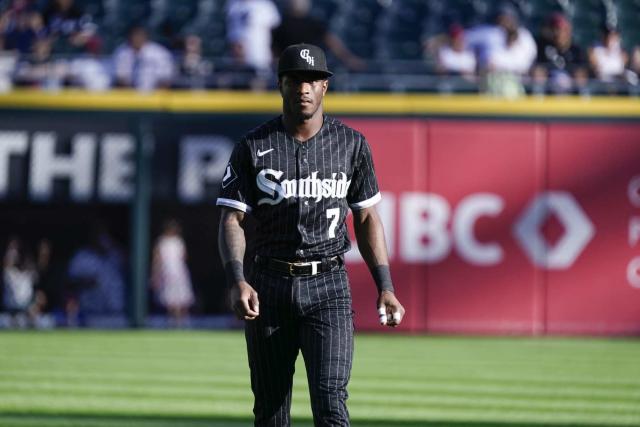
[{"x": 303, "y": 57}]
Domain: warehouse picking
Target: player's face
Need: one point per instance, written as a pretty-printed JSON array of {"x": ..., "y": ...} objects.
[{"x": 302, "y": 93}]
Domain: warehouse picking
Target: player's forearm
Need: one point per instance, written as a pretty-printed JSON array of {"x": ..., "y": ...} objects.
[
  {"x": 373, "y": 247},
  {"x": 232, "y": 244}
]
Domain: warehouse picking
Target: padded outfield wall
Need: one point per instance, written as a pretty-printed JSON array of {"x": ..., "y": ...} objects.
[{"x": 501, "y": 216}]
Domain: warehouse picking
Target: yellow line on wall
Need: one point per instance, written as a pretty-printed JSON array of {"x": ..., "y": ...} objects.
[{"x": 336, "y": 103}]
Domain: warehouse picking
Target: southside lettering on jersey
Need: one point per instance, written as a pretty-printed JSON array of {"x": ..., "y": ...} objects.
[
  {"x": 300, "y": 193},
  {"x": 310, "y": 187}
]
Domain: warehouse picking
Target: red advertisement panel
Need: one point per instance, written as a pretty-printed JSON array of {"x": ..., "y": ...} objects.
[
  {"x": 507, "y": 227},
  {"x": 483, "y": 174},
  {"x": 598, "y": 289},
  {"x": 400, "y": 160}
]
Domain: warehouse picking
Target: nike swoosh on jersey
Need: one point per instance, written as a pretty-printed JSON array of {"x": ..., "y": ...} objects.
[{"x": 262, "y": 153}]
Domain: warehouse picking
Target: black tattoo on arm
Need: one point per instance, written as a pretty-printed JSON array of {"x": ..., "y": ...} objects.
[{"x": 232, "y": 244}]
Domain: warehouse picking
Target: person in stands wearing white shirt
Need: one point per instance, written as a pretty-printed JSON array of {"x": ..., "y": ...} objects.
[
  {"x": 516, "y": 56},
  {"x": 141, "y": 63},
  {"x": 454, "y": 57},
  {"x": 249, "y": 26},
  {"x": 505, "y": 46},
  {"x": 608, "y": 60}
]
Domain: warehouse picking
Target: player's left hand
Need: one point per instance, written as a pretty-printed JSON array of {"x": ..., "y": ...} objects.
[{"x": 390, "y": 310}]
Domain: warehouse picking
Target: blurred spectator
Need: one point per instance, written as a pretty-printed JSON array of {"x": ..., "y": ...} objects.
[
  {"x": 45, "y": 284},
  {"x": 249, "y": 26},
  {"x": 90, "y": 71},
  {"x": 608, "y": 60},
  {"x": 20, "y": 26},
  {"x": 298, "y": 26},
  {"x": 505, "y": 46},
  {"x": 70, "y": 28},
  {"x": 141, "y": 63},
  {"x": 453, "y": 57},
  {"x": 236, "y": 74},
  {"x": 515, "y": 56},
  {"x": 20, "y": 275},
  {"x": 194, "y": 68},
  {"x": 635, "y": 60},
  {"x": 40, "y": 69},
  {"x": 96, "y": 278},
  {"x": 560, "y": 63},
  {"x": 8, "y": 62},
  {"x": 170, "y": 277}
]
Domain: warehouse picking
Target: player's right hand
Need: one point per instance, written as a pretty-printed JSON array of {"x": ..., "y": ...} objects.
[
  {"x": 390, "y": 310},
  {"x": 244, "y": 301}
]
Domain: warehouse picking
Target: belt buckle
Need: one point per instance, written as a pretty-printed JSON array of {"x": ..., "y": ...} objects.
[
  {"x": 291, "y": 265},
  {"x": 314, "y": 266}
]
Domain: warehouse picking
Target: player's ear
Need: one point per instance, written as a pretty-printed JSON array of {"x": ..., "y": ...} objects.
[
  {"x": 325, "y": 86},
  {"x": 280, "y": 85}
]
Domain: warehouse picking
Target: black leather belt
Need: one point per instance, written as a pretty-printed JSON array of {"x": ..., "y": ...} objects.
[{"x": 301, "y": 268}]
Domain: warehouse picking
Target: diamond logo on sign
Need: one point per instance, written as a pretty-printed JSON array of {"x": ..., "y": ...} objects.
[
  {"x": 578, "y": 230},
  {"x": 304, "y": 54}
]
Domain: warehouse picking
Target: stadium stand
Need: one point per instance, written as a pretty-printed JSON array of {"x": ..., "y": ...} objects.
[{"x": 389, "y": 34}]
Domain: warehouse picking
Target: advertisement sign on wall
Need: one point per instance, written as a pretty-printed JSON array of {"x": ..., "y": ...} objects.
[{"x": 493, "y": 226}]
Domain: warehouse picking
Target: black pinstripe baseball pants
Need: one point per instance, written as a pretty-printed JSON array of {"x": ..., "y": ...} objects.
[{"x": 311, "y": 314}]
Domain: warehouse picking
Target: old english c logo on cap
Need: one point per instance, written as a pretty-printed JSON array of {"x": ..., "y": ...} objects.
[{"x": 304, "y": 54}]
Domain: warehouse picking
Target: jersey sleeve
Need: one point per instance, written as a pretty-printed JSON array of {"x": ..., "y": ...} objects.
[
  {"x": 363, "y": 190},
  {"x": 235, "y": 188}
]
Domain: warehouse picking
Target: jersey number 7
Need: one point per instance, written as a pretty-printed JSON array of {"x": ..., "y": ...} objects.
[{"x": 333, "y": 214}]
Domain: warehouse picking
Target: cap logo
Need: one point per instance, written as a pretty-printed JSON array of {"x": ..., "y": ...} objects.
[{"x": 304, "y": 54}]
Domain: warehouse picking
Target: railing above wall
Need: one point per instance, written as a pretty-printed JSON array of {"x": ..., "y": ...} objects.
[{"x": 335, "y": 103}]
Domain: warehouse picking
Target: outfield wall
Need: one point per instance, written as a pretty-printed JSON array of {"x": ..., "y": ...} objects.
[
  {"x": 510, "y": 227},
  {"x": 501, "y": 216}
]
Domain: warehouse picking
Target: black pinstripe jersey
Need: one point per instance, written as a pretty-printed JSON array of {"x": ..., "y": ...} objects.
[{"x": 299, "y": 192}]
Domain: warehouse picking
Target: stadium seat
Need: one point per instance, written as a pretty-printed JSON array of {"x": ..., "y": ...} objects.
[
  {"x": 94, "y": 8},
  {"x": 121, "y": 14},
  {"x": 469, "y": 13},
  {"x": 325, "y": 10},
  {"x": 628, "y": 15},
  {"x": 209, "y": 22},
  {"x": 537, "y": 13},
  {"x": 355, "y": 23},
  {"x": 400, "y": 31},
  {"x": 174, "y": 13}
]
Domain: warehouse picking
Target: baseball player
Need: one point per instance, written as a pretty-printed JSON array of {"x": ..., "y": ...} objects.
[{"x": 298, "y": 175}]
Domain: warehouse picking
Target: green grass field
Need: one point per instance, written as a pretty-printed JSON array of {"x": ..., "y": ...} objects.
[{"x": 149, "y": 378}]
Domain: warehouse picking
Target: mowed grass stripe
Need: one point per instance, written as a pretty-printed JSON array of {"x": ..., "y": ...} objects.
[
  {"x": 127, "y": 406},
  {"x": 358, "y": 385},
  {"x": 605, "y": 379},
  {"x": 123, "y": 406},
  {"x": 409, "y": 392},
  {"x": 29, "y": 420},
  {"x": 595, "y": 378},
  {"x": 373, "y": 397},
  {"x": 455, "y": 384},
  {"x": 35, "y": 421},
  {"x": 110, "y": 390},
  {"x": 123, "y": 378},
  {"x": 439, "y": 348},
  {"x": 537, "y": 372},
  {"x": 393, "y": 373}
]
